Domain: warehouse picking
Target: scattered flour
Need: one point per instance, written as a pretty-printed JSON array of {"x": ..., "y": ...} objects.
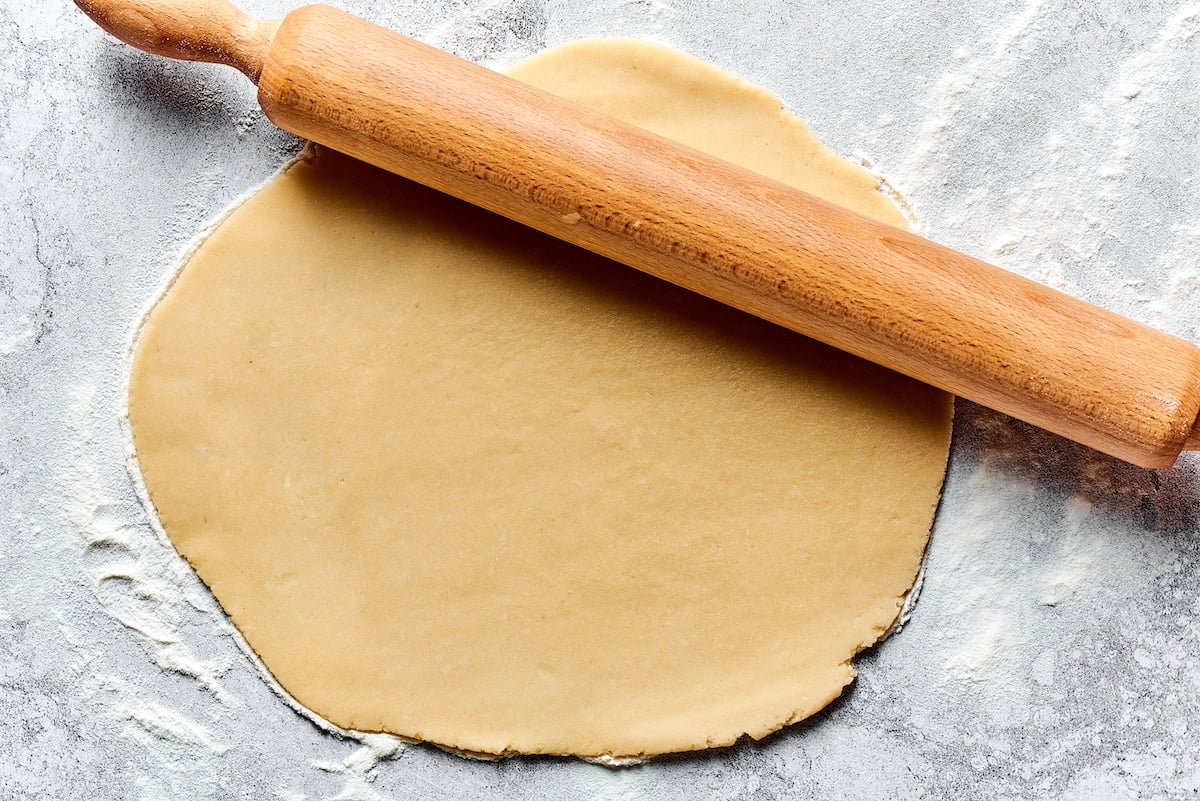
[{"x": 1053, "y": 651}]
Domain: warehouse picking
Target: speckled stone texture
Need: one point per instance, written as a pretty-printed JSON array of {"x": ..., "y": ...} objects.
[{"x": 1054, "y": 652}]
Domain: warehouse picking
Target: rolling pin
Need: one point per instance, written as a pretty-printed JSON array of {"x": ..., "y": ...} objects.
[{"x": 876, "y": 291}]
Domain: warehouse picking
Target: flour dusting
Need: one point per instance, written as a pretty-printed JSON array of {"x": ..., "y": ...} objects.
[{"x": 1053, "y": 653}]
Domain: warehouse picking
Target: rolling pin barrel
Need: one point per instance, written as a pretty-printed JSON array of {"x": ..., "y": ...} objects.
[{"x": 876, "y": 291}]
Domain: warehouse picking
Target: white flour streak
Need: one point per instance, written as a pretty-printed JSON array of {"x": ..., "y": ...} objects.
[
  {"x": 361, "y": 767},
  {"x": 138, "y": 583},
  {"x": 1069, "y": 574},
  {"x": 164, "y": 724}
]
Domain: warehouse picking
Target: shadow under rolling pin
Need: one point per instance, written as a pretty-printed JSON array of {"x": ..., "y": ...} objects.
[{"x": 881, "y": 293}]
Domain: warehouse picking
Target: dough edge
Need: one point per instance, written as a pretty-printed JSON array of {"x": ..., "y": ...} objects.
[{"x": 905, "y": 603}]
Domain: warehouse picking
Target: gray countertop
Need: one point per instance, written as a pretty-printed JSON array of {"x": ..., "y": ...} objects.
[{"x": 1054, "y": 650}]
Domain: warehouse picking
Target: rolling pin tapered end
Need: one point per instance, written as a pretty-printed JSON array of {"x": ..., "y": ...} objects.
[{"x": 193, "y": 30}]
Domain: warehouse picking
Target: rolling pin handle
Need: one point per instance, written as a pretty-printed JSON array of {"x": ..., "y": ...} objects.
[{"x": 193, "y": 30}]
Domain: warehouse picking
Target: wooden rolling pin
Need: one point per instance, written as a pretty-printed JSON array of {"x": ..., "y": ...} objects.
[{"x": 876, "y": 291}]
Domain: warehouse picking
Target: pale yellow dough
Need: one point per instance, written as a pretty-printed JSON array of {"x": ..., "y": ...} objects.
[{"x": 460, "y": 482}]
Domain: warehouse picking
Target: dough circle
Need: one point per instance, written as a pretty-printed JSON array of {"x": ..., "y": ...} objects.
[{"x": 460, "y": 482}]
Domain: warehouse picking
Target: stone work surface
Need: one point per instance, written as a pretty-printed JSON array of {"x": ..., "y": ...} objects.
[{"x": 1054, "y": 651}]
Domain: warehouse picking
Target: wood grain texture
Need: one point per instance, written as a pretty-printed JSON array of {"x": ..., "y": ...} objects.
[
  {"x": 776, "y": 252},
  {"x": 192, "y": 30},
  {"x": 876, "y": 291}
]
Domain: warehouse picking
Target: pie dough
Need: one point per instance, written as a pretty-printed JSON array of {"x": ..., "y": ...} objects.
[{"x": 460, "y": 482}]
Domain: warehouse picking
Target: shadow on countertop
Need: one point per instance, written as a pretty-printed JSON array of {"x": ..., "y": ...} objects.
[{"x": 1165, "y": 501}]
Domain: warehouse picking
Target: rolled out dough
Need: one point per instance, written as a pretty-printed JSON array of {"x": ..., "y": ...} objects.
[{"x": 457, "y": 481}]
